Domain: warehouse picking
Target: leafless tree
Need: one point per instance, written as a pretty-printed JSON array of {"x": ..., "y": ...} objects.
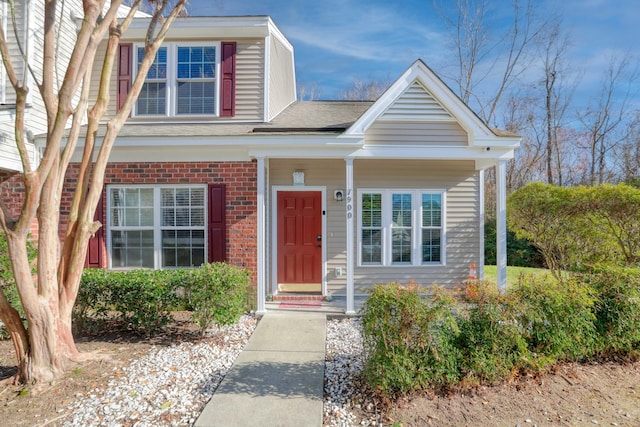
[
  {"x": 559, "y": 84},
  {"x": 481, "y": 52},
  {"x": 308, "y": 92},
  {"x": 527, "y": 163},
  {"x": 605, "y": 121},
  {"x": 46, "y": 348},
  {"x": 365, "y": 90}
]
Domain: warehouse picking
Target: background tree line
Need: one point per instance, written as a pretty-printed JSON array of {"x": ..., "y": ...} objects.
[{"x": 519, "y": 77}]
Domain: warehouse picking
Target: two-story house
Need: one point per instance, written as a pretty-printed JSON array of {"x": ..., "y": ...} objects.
[{"x": 219, "y": 162}]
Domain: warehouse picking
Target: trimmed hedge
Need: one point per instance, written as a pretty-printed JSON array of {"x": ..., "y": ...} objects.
[
  {"x": 408, "y": 340},
  {"x": 141, "y": 299},
  {"x": 144, "y": 299},
  {"x": 417, "y": 341}
]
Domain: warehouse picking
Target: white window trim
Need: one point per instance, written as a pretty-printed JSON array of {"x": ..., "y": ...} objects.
[
  {"x": 157, "y": 220},
  {"x": 416, "y": 227},
  {"x": 172, "y": 78}
]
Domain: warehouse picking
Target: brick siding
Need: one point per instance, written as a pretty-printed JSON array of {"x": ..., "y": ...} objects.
[{"x": 240, "y": 180}]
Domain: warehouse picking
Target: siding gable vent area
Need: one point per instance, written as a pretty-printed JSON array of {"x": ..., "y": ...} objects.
[{"x": 416, "y": 104}]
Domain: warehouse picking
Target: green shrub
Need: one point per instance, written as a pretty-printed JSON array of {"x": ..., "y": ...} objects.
[
  {"x": 141, "y": 299},
  {"x": 409, "y": 340},
  {"x": 520, "y": 252},
  {"x": 556, "y": 317},
  {"x": 94, "y": 299},
  {"x": 217, "y": 294},
  {"x": 617, "y": 308},
  {"x": 490, "y": 340}
]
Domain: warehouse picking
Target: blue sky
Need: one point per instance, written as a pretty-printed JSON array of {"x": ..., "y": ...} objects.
[{"x": 337, "y": 41}]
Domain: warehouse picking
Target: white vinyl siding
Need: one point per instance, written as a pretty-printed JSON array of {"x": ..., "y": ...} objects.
[
  {"x": 416, "y": 103},
  {"x": 417, "y": 134},
  {"x": 281, "y": 79},
  {"x": 250, "y": 91}
]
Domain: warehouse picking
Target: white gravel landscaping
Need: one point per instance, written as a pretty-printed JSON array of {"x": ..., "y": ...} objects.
[
  {"x": 345, "y": 404},
  {"x": 169, "y": 386}
]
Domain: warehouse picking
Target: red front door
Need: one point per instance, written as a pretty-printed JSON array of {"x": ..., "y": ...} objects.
[{"x": 300, "y": 241}]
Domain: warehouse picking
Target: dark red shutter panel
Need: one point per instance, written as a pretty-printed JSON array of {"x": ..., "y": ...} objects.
[
  {"x": 96, "y": 248},
  {"x": 228, "y": 84},
  {"x": 124, "y": 71},
  {"x": 217, "y": 238}
]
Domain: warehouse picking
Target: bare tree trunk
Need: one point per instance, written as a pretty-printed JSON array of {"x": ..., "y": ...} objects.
[
  {"x": 549, "y": 82},
  {"x": 46, "y": 348},
  {"x": 11, "y": 318}
]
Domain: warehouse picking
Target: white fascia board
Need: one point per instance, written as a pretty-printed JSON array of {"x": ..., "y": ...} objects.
[
  {"x": 7, "y": 114},
  {"x": 432, "y": 153},
  {"x": 275, "y": 31},
  {"x": 334, "y": 152},
  {"x": 498, "y": 141},
  {"x": 235, "y": 141},
  {"x": 10, "y": 165},
  {"x": 210, "y": 27},
  {"x": 267, "y": 76}
]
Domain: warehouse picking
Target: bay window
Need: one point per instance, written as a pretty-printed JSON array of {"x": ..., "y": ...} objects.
[
  {"x": 401, "y": 227},
  {"x": 182, "y": 81},
  {"x": 156, "y": 226}
]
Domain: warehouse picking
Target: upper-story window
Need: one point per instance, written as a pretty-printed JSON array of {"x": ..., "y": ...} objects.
[{"x": 182, "y": 81}]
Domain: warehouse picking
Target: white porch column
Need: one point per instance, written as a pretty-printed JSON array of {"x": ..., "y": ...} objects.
[
  {"x": 261, "y": 243},
  {"x": 480, "y": 266},
  {"x": 501, "y": 225},
  {"x": 350, "y": 198}
]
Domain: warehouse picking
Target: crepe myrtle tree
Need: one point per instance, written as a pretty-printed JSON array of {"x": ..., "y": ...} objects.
[{"x": 45, "y": 347}]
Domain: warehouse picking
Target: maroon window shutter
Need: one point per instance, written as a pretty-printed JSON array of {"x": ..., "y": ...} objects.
[
  {"x": 124, "y": 71},
  {"x": 96, "y": 248},
  {"x": 228, "y": 84},
  {"x": 217, "y": 238}
]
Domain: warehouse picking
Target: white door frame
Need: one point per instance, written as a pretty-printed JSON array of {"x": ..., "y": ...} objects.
[{"x": 273, "y": 288}]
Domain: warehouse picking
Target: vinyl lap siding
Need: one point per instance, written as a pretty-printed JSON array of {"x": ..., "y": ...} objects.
[
  {"x": 281, "y": 78},
  {"x": 448, "y": 134},
  {"x": 66, "y": 34},
  {"x": 460, "y": 181},
  {"x": 416, "y": 103},
  {"x": 250, "y": 80},
  {"x": 9, "y": 156}
]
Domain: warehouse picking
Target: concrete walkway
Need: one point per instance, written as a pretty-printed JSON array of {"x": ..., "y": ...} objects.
[{"x": 278, "y": 378}]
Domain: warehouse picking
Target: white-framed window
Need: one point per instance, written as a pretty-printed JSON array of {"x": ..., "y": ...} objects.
[
  {"x": 156, "y": 226},
  {"x": 401, "y": 227},
  {"x": 182, "y": 81}
]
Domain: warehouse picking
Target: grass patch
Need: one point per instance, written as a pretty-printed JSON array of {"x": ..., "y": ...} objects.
[{"x": 513, "y": 273}]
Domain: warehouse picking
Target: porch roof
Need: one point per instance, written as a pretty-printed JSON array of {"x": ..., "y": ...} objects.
[{"x": 302, "y": 117}]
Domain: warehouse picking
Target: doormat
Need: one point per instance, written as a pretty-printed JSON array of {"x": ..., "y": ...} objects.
[{"x": 300, "y": 304}]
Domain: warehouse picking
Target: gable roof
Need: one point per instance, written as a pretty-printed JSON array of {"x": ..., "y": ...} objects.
[{"x": 420, "y": 95}]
